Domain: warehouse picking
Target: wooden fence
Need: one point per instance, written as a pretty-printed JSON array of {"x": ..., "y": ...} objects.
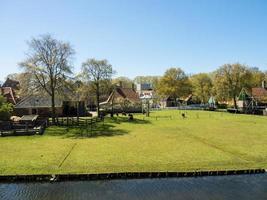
[
  {"x": 16, "y": 129},
  {"x": 87, "y": 125},
  {"x": 74, "y": 121}
]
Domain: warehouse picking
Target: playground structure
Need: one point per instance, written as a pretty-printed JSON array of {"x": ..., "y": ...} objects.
[{"x": 254, "y": 103}]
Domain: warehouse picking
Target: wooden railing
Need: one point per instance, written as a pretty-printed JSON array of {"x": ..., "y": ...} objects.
[{"x": 74, "y": 121}]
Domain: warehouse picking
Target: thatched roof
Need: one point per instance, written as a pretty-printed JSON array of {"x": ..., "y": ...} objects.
[{"x": 124, "y": 93}]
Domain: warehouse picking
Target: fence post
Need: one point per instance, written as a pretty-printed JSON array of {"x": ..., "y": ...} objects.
[
  {"x": 91, "y": 126},
  {"x": 26, "y": 128}
]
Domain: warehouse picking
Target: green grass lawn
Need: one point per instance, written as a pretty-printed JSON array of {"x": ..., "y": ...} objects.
[{"x": 202, "y": 141}]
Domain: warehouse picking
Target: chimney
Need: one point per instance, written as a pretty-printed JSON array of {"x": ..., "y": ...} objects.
[{"x": 263, "y": 84}]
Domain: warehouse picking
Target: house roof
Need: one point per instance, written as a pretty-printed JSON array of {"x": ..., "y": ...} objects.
[
  {"x": 243, "y": 95},
  {"x": 38, "y": 102},
  {"x": 125, "y": 93},
  {"x": 259, "y": 92},
  {"x": 189, "y": 97},
  {"x": 128, "y": 93},
  {"x": 9, "y": 94},
  {"x": 11, "y": 83}
]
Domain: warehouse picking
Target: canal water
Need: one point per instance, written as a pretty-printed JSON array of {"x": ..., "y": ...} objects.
[{"x": 216, "y": 187}]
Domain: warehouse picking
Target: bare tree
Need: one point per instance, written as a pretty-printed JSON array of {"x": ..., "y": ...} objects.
[
  {"x": 49, "y": 61},
  {"x": 98, "y": 73}
]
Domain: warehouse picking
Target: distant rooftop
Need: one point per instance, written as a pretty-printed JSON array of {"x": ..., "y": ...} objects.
[{"x": 144, "y": 86}]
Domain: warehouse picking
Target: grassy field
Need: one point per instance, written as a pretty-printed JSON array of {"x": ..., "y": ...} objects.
[{"x": 202, "y": 141}]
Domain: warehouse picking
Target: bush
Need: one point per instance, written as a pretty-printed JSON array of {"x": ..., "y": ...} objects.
[
  {"x": 222, "y": 106},
  {"x": 5, "y": 109}
]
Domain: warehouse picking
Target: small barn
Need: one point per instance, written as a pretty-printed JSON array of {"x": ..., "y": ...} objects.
[
  {"x": 118, "y": 98},
  {"x": 170, "y": 101},
  {"x": 260, "y": 94},
  {"x": 191, "y": 99},
  {"x": 41, "y": 105}
]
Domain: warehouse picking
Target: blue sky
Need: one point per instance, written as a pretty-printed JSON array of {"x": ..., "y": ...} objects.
[{"x": 140, "y": 37}]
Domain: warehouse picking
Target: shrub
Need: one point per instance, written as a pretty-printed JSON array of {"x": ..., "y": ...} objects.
[{"x": 5, "y": 109}]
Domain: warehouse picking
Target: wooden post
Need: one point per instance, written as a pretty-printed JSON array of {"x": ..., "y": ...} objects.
[
  {"x": 91, "y": 126},
  {"x": 26, "y": 128}
]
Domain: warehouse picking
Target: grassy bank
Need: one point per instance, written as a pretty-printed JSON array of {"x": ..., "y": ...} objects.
[{"x": 202, "y": 141}]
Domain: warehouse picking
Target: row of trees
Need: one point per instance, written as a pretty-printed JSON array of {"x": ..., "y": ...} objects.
[
  {"x": 225, "y": 83},
  {"x": 48, "y": 68}
]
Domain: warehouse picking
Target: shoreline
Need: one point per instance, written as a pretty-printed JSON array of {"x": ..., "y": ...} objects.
[{"x": 121, "y": 175}]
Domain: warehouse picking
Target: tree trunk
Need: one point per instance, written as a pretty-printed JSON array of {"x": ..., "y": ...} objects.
[
  {"x": 53, "y": 107},
  {"x": 97, "y": 100},
  {"x": 112, "y": 107},
  {"x": 235, "y": 104}
]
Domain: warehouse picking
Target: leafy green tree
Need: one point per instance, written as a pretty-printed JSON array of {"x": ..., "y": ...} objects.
[
  {"x": 147, "y": 79},
  {"x": 126, "y": 82},
  {"x": 202, "y": 86},
  {"x": 97, "y": 73},
  {"x": 49, "y": 63},
  {"x": 257, "y": 77},
  {"x": 26, "y": 84},
  {"x": 5, "y": 109},
  {"x": 230, "y": 79},
  {"x": 174, "y": 83}
]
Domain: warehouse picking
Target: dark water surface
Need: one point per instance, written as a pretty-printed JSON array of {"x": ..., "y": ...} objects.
[{"x": 218, "y": 188}]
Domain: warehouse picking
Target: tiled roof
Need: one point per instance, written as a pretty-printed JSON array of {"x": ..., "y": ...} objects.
[
  {"x": 259, "y": 92},
  {"x": 125, "y": 93},
  {"x": 38, "y": 102},
  {"x": 128, "y": 93}
]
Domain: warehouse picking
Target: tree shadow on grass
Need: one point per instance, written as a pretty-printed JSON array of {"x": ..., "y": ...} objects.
[
  {"x": 107, "y": 128},
  {"x": 99, "y": 130},
  {"x": 119, "y": 120}
]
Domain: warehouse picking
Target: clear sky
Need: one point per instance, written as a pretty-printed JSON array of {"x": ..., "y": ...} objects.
[{"x": 140, "y": 37}]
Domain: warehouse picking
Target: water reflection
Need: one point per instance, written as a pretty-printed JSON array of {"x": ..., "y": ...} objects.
[{"x": 220, "y": 187}]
